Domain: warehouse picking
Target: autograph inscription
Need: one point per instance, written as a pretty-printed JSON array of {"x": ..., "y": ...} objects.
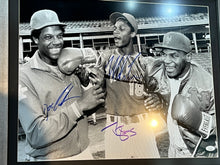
[
  {"x": 64, "y": 96},
  {"x": 118, "y": 131},
  {"x": 118, "y": 67}
]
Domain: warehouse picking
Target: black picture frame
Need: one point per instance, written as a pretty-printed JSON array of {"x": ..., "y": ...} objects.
[{"x": 14, "y": 13}]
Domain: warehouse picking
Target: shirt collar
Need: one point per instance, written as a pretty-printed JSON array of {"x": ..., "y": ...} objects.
[{"x": 39, "y": 64}]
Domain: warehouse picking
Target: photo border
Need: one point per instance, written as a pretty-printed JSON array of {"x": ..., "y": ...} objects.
[
  {"x": 3, "y": 80},
  {"x": 13, "y": 91}
]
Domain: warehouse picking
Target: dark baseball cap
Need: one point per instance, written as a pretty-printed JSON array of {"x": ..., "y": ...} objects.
[
  {"x": 175, "y": 41},
  {"x": 130, "y": 18}
]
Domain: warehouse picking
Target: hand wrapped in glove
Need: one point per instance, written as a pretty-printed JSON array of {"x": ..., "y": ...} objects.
[
  {"x": 150, "y": 84},
  {"x": 154, "y": 104},
  {"x": 195, "y": 126},
  {"x": 188, "y": 115},
  {"x": 207, "y": 147},
  {"x": 154, "y": 101},
  {"x": 96, "y": 75}
]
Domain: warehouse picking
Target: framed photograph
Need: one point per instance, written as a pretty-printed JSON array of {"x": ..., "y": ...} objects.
[{"x": 113, "y": 81}]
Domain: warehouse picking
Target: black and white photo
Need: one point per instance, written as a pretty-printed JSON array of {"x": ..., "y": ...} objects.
[{"x": 115, "y": 80}]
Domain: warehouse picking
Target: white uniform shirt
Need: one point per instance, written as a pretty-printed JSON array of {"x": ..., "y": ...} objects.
[{"x": 176, "y": 142}]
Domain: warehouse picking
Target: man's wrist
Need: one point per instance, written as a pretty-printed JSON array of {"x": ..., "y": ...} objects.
[{"x": 77, "y": 109}]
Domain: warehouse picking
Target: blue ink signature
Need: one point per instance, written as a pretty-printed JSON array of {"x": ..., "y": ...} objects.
[
  {"x": 124, "y": 135},
  {"x": 114, "y": 67},
  {"x": 61, "y": 99}
]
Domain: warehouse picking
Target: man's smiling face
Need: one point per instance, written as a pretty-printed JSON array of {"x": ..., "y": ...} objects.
[
  {"x": 50, "y": 43},
  {"x": 175, "y": 62}
]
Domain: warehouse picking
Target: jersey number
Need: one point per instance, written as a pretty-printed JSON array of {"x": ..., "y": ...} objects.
[{"x": 136, "y": 89}]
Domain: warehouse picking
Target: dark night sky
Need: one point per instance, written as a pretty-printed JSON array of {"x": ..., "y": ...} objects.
[{"x": 78, "y": 10}]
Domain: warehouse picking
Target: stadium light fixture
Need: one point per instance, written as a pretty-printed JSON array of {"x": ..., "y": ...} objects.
[
  {"x": 169, "y": 10},
  {"x": 131, "y": 5}
]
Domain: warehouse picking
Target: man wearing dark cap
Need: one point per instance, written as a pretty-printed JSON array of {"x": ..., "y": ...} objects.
[
  {"x": 128, "y": 133},
  {"x": 188, "y": 89},
  {"x": 52, "y": 105}
]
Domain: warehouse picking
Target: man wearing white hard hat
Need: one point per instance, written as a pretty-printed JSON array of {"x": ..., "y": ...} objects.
[
  {"x": 188, "y": 89},
  {"x": 53, "y": 106}
]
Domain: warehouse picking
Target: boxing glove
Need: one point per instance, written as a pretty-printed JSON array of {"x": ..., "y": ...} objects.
[
  {"x": 150, "y": 84},
  {"x": 187, "y": 114},
  {"x": 71, "y": 58}
]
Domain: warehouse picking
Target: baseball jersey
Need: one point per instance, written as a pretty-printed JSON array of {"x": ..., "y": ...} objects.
[{"x": 124, "y": 80}]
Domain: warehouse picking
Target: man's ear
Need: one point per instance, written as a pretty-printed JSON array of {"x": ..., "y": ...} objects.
[
  {"x": 133, "y": 34},
  {"x": 189, "y": 56},
  {"x": 36, "y": 40}
]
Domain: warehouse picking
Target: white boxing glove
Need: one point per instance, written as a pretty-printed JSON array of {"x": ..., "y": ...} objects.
[{"x": 188, "y": 115}]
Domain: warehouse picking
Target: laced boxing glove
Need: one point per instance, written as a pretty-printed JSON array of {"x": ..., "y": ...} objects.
[
  {"x": 188, "y": 115},
  {"x": 71, "y": 58},
  {"x": 185, "y": 112}
]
